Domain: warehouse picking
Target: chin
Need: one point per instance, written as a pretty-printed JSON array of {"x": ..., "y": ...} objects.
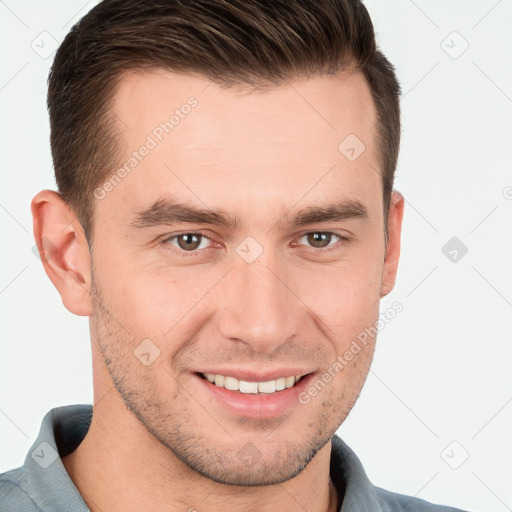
[{"x": 247, "y": 465}]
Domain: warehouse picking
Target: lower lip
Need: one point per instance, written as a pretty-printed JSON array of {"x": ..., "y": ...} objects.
[{"x": 258, "y": 406}]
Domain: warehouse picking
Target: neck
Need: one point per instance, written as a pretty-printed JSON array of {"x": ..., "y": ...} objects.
[{"x": 119, "y": 454}]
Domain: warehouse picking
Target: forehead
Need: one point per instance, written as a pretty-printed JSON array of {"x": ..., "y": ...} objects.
[
  {"x": 321, "y": 107},
  {"x": 218, "y": 144}
]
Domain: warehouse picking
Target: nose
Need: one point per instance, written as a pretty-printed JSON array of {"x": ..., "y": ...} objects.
[{"x": 258, "y": 308}]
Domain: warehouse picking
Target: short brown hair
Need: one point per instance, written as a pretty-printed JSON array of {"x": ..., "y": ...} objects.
[{"x": 255, "y": 43}]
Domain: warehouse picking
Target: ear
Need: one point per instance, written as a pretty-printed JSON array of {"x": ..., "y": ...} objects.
[
  {"x": 395, "y": 216},
  {"x": 64, "y": 250}
]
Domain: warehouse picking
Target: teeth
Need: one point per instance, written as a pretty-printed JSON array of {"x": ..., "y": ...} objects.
[
  {"x": 268, "y": 387},
  {"x": 290, "y": 381},
  {"x": 230, "y": 383},
  {"x": 248, "y": 387}
]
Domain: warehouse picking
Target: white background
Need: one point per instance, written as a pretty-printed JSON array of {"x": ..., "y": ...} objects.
[{"x": 441, "y": 372}]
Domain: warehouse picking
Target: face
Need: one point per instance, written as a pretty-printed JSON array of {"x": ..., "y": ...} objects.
[{"x": 246, "y": 241}]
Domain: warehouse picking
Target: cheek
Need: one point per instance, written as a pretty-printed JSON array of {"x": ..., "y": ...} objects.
[
  {"x": 158, "y": 301},
  {"x": 137, "y": 298},
  {"x": 345, "y": 298}
]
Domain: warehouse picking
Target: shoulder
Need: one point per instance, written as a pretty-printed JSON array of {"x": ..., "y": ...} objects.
[
  {"x": 359, "y": 493},
  {"x": 392, "y": 502},
  {"x": 15, "y": 498}
]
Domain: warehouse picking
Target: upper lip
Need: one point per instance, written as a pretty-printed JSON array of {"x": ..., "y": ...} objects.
[{"x": 258, "y": 376}]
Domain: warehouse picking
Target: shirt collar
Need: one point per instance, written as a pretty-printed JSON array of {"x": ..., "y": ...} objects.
[
  {"x": 48, "y": 482},
  {"x": 353, "y": 486}
]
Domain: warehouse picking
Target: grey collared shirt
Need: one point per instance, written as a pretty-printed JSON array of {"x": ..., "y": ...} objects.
[{"x": 43, "y": 485}]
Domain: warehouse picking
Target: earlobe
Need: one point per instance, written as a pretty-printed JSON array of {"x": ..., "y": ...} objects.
[
  {"x": 395, "y": 216},
  {"x": 64, "y": 250}
]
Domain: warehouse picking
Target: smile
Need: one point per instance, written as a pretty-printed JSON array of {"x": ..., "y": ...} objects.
[{"x": 267, "y": 387}]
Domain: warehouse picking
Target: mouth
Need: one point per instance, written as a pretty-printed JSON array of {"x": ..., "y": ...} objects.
[
  {"x": 251, "y": 395},
  {"x": 266, "y": 387}
]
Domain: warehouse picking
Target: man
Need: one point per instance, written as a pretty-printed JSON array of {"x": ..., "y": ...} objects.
[{"x": 226, "y": 219}]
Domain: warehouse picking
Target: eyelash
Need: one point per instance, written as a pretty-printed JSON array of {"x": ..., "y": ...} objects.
[{"x": 166, "y": 242}]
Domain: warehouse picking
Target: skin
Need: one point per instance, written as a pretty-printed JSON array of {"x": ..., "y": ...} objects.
[{"x": 260, "y": 157}]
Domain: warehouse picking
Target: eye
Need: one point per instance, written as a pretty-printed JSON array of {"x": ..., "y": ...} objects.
[
  {"x": 189, "y": 242},
  {"x": 320, "y": 239}
]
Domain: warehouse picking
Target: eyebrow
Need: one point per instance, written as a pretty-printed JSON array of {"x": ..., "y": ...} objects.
[
  {"x": 168, "y": 212},
  {"x": 343, "y": 210}
]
